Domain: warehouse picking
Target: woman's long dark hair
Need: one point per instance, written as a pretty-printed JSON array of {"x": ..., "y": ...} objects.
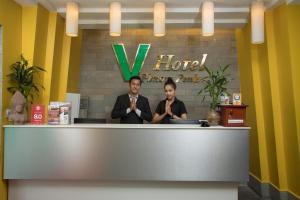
[{"x": 170, "y": 81}]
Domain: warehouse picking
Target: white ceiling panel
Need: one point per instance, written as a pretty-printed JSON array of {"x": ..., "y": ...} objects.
[{"x": 139, "y": 13}]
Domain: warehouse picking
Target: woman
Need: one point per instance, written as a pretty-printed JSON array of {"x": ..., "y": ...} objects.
[{"x": 171, "y": 107}]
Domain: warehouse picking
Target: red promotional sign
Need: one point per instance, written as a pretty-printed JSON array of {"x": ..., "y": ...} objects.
[{"x": 37, "y": 114}]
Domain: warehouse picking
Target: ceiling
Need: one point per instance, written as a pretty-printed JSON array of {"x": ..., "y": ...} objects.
[{"x": 139, "y": 13}]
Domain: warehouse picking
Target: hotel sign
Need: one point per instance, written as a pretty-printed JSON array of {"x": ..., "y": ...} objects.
[
  {"x": 138, "y": 63},
  {"x": 163, "y": 63}
]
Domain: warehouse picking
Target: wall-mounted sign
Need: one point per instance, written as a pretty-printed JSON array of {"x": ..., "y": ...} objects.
[
  {"x": 149, "y": 77},
  {"x": 163, "y": 63},
  {"x": 138, "y": 63},
  {"x": 179, "y": 65}
]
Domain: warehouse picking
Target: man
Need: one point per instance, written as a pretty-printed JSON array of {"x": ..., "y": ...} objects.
[{"x": 132, "y": 108}]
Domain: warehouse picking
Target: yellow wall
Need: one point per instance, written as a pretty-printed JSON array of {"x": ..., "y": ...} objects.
[
  {"x": 64, "y": 66},
  {"x": 35, "y": 20},
  {"x": 60, "y": 63},
  {"x": 11, "y": 20},
  {"x": 293, "y": 14},
  {"x": 74, "y": 69},
  {"x": 244, "y": 50},
  {"x": 272, "y": 71},
  {"x": 253, "y": 66},
  {"x": 56, "y": 62},
  {"x": 49, "y": 59},
  {"x": 40, "y": 47},
  {"x": 29, "y": 15},
  {"x": 40, "y": 36},
  {"x": 48, "y": 46}
]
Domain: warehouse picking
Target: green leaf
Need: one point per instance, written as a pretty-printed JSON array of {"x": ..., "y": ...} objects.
[
  {"x": 22, "y": 78},
  {"x": 225, "y": 68},
  {"x": 214, "y": 84}
]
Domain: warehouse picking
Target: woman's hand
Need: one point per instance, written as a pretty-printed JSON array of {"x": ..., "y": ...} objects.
[
  {"x": 168, "y": 110},
  {"x": 166, "y": 107}
]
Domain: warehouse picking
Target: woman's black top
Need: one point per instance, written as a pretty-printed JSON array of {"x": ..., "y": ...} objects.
[{"x": 177, "y": 108}]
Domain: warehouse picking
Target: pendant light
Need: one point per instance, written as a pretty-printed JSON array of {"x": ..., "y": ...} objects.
[
  {"x": 257, "y": 22},
  {"x": 72, "y": 19},
  {"x": 115, "y": 19},
  {"x": 159, "y": 18},
  {"x": 208, "y": 20}
]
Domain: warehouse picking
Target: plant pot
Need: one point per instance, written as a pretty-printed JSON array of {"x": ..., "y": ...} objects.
[{"x": 213, "y": 117}]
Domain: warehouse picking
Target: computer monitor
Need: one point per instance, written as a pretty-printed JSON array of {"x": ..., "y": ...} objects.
[
  {"x": 184, "y": 121},
  {"x": 89, "y": 121}
]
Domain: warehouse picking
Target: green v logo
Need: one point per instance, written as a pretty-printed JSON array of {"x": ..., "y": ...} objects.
[{"x": 138, "y": 63}]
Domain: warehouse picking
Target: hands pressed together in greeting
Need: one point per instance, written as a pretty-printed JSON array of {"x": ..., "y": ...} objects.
[
  {"x": 168, "y": 110},
  {"x": 133, "y": 104}
]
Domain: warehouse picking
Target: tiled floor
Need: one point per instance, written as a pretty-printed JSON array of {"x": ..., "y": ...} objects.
[{"x": 245, "y": 193}]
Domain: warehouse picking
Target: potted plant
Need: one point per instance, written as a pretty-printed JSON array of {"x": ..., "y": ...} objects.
[
  {"x": 23, "y": 87},
  {"x": 22, "y": 79},
  {"x": 214, "y": 85}
]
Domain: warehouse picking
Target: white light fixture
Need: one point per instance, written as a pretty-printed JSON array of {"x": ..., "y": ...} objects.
[
  {"x": 115, "y": 19},
  {"x": 159, "y": 18},
  {"x": 208, "y": 18},
  {"x": 257, "y": 22},
  {"x": 72, "y": 19}
]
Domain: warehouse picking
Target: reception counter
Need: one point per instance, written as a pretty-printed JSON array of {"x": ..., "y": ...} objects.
[{"x": 114, "y": 161}]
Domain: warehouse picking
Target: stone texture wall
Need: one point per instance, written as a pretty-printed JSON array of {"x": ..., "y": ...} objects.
[{"x": 102, "y": 81}]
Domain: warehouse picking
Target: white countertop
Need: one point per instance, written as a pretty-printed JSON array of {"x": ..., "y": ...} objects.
[{"x": 126, "y": 126}]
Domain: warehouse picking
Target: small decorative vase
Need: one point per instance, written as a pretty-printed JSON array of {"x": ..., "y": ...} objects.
[{"x": 213, "y": 117}]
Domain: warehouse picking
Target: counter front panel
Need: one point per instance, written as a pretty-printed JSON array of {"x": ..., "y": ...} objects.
[{"x": 113, "y": 153}]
